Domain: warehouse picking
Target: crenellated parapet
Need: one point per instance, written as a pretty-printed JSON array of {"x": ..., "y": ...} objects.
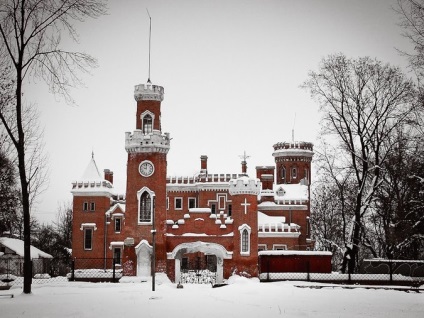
[
  {"x": 244, "y": 185},
  {"x": 151, "y": 142},
  {"x": 148, "y": 92},
  {"x": 297, "y": 150}
]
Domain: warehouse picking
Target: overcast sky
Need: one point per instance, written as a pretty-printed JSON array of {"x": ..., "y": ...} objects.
[{"x": 231, "y": 71}]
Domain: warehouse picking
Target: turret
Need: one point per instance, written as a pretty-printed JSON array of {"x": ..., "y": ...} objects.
[{"x": 293, "y": 162}]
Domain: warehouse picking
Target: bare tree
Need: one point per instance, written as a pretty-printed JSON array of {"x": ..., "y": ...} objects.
[
  {"x": 411, "y": 14},
  {"x": 30, "y": 32},
  {"x": 362, "y": 102}
]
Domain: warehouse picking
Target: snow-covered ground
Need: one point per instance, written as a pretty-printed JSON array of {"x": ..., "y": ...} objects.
[{"x": 241, "y": 298}]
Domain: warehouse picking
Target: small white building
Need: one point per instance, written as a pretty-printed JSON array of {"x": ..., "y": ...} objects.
[{"x": 12, "y": 257}]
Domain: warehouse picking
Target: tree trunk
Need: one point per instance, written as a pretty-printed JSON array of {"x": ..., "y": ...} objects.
[{"x": 20, "y": 147}]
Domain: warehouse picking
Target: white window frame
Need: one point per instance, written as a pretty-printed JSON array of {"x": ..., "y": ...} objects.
[
  {"x": 144, "y": 114},
  {"x": 263, "y": 246},
  {"x": 120, "y": 224},
  {"x": 85, "y": 206},
  {"x": 88, "y": 228},
  {"x": 241, "y": 229},
  {"x": 175, "y": 203},
  {"x": 152, "y": 196},
  {"x": 294, "y": 173},
  {"x": 279, "y": 247},
  {"x": 92, "y": 206}
]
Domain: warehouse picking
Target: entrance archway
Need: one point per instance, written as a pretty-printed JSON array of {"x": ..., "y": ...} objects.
[{"x": 204, "y": 247}]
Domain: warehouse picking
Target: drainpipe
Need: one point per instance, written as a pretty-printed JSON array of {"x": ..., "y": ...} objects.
[{"x": 105, "y": 241}]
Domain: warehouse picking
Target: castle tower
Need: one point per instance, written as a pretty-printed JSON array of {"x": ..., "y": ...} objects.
[
  {"x": 147, "y": 151},
  {"x": 92, "y": 196},
  {"x": 293, "y": 162},
  {"x": 244, "y": 192}
]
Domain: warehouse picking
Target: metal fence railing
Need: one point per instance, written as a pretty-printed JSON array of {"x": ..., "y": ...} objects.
[
  {"x": 45, "y": 270},
  {"x": 339, "y": 278}
]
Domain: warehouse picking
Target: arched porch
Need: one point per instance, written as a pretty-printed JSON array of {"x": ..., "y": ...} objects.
[{"x": 205, "y": 247}]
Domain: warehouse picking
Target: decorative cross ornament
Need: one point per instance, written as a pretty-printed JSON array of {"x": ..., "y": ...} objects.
[{"x": 245, "y": 204}]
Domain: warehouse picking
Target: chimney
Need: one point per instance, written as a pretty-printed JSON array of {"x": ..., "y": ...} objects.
[
  {"x": 244, "y": 167},
  {"x": 108, "y": 175},
  {"x": 204, "y": 163}
]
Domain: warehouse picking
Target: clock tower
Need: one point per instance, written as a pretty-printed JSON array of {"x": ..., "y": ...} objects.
[{"x": 147, "y": 149}]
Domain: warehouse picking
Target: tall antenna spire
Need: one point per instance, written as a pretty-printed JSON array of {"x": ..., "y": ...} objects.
[
  {"x": 294, "y": 122},
  {"x": 150, "y": 38}
]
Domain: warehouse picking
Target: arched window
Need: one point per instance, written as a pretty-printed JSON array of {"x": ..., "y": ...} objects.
[
  {"x": 283, "y": 173},
  {"x": 244, "y": 241},
  {"x": 147, "y": 124},
  {"x": 294, "y": 173},
  {"x": 245, "y": 232},
  {"x": 145, "y": 207}
]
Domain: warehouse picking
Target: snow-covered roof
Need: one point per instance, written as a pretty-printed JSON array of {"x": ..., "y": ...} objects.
[
  {"x": 285, "y": 252},
  {"x": 284, "y": 192},
  {"x": 266, "y": 219},
  {"x": 17, "y": 246},
  {"x": 91, "y": 173}
]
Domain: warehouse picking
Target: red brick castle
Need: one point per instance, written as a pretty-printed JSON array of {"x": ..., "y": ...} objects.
[{"x": 219, "y": 220}]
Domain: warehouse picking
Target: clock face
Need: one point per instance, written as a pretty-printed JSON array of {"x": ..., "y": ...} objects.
[{"x": 146, "y": 168}]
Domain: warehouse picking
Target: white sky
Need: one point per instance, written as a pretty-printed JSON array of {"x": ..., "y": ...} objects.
[{"x": 231, "y": 72}]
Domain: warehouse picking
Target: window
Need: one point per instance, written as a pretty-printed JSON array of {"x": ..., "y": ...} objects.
[
  {"x": 245, "y": 231},
  {"x": 191, "y": 203},
  {"x": 167, "y": 203},
  {"x": 145, "y": 208},
  {"x": 178, "y": 203},
  {"x": 230, "y": 210},
  {"x": 118, "y": 224},
  {"x": 261, "y": 247},
  {"x": 88, "y": 238},
  {"x": 85, "y": 206},
  {"x": 92, "y": 206},
  {"x": 117, "y": 255},
  {"x": 244, "y": 241},
  {"x": 283, "y": 173},
  {"x": 213, "y": 208},
  {"x": 279, "y": 247},
  {"x": 147, "y": 124},
  {"x": 294, "y": 173}
]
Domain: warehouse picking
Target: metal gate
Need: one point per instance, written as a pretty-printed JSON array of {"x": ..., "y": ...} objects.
[{"x": 199, "y": 270}]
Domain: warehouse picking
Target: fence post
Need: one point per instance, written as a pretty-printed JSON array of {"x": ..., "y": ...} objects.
[
  {"x": 308, "y": 277},
  {"x": 73, "y": 270},
  {"x": 113, "y": 270},
  {"x": 349, "y": 278},
  {"x": 391, "y": 271}
]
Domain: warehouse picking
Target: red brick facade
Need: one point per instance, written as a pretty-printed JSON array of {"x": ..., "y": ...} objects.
[{"x": 223, "y": 217}]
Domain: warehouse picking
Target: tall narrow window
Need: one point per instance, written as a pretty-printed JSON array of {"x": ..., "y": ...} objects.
[
  {"x": 213, "y": 208},
  {"x": 230, "y": 210},
  {"x": 118, "y": 225},
  {"x": 145, "y": 207},
  {"x": 88, "y": 239},
  {"x": 294, "y": 173},
  {"x": 283, "y": 173},
  {"x": 92, "y": 206},
  {"x": 117, "y": 255},
  {"x": 147, "y": 124},
  {"x": 85, "y": 206},
  {"x": 178, "y": 203},
  {"x": 245, "y": 241}
]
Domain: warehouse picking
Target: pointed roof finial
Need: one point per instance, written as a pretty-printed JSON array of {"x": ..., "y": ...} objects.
[
  {"x": 92, "y": 154},
  {"x": 150, "y": 37},
  {"x": 244, "y": 156}
]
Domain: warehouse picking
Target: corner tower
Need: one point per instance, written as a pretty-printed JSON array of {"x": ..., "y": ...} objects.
[
  {"x": 147, "y": 149},
  {"x": 293, "y": 162}
]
